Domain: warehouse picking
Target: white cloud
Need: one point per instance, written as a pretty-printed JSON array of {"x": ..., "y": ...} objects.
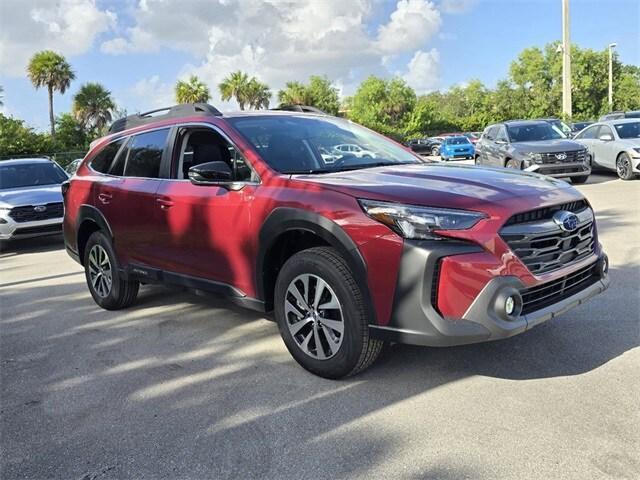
[
  {"x": 279, "y": 40},
  {"x": 457, "y": 6},
  {"x": 411, "y": 25},
  {"x": 67, "y": 26},
  {"x": 423, "y": 73},
  {"x": 149, "y": 93}
]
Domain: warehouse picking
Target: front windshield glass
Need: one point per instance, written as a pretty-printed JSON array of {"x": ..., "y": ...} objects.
[
  {"x": 22, "y": 175},
  {"x": 458, "y": 140},
  {"x": 533, "y": 132},
  {"x": 628, "y": 130},
  {"x": 301, "y": 144}
]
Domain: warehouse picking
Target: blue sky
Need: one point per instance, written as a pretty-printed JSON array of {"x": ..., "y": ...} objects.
[{"x": 138, "y": 48}]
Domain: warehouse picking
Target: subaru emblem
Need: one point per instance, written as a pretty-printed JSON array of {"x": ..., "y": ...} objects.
[
  {"x": 567, "y": 221},
  {"x": 561, "y": 156},
  {"x": 40, "y": 208}
]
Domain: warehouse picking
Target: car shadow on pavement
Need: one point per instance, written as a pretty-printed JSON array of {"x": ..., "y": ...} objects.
[
  {"x": 31, "y": 245},
  {"x": 183, "y": 376}
]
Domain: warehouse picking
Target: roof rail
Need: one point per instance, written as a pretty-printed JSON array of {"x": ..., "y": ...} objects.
[
  {"x": 299, "y": 108},
  {"x": 176, "y": 111}
]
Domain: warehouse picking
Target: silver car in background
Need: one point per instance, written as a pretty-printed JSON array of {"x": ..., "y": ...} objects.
[
  {"x": 614, "y": 145},
  {"x": 30, "y": 198}
]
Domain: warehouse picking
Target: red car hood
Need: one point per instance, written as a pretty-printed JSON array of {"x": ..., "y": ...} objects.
[{"x": 450, "y": 186}]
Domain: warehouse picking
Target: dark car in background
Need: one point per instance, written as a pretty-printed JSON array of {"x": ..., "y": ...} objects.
[
  {"x": 579, "y": 126},
  {"x": 425, "y": 146},
  {"x": 559, "y": 124},
  {"x": 535, "y": 146},
  {"x": 619, "y": 115},
  {"x": 30, "y": 198}
]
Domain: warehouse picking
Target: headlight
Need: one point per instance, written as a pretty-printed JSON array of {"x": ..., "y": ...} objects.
[
  {"x": 637, "y": 149},
  {"x": 416, "y": 222},
  {"x": 4, "y": 211},
  {"x": 535, "y": 157}
]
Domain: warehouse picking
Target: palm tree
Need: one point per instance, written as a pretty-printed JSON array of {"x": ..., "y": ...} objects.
[
  {"x": 235, "y": 86},
  {"x": 258, "y": 94},
  {"x": 93, "y": 106},
  {"x": 294, "y": 93},
  {"x": 51, "y": 70},
  {"x": 192, "y": 91}
]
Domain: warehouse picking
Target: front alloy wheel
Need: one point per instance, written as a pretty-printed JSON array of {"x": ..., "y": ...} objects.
[
  {"x": 314, "y": 316},
  {"x": 623, "y": 167}
]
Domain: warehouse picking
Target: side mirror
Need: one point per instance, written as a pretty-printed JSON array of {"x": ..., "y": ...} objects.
[
  {"x": 210, "y": 173},
  {"x": 606, "y": 137}
]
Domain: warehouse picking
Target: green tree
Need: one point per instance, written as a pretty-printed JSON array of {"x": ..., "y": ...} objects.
[
  {"x": 626, "y": 91},
  {"x": 51, "y": 70},
  {"x": 257, "y": 94},
  {"x": 383, "y": 105},
  {"x": 71, "y": 133},
  {"x": 18, "y": 139},
  {"x": 235, "y": 86},
  {"x": 193, "y": 90},
  {"x": 318, "y": 93},
  {"x": 93, "y": 106}
]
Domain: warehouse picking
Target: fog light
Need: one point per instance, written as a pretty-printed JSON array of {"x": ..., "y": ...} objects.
[{"x": 509, "y": 305}]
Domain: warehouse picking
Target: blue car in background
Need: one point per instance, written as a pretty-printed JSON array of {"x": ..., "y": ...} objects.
[{"x": 456, "y": 147}]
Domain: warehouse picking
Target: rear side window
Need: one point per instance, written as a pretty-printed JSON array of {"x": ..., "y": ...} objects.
[
  {"x": 103, "y": 160},
  {"x": 145, "y": 154}
]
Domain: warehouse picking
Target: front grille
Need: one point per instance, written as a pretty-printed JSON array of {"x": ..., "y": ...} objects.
[
  {"x": 45, "y": 229},
  {"x": 29, "y": 214},
  {"x": 543, "y": 246},
  {"x": 547, "y": 212},
  {"x": 536, "y": 298},
  {"x": 571, "y": 157}
]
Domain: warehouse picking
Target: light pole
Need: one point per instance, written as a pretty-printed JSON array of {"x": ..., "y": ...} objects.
[
  {"x": 566, "y": 61},
  {"x": 611, "y": 47}
]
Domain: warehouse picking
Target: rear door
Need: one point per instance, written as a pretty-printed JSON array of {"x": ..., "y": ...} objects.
[{"x": 132, "y": 211}]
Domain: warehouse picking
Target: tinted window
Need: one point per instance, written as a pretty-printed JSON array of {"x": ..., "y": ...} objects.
[
  {"x": 102, "y": 161},
  {"x": 588, "y": 133},
  {"x": 145, "y": 154},
  {"x": 628, "y": 130},
  {"x": 30, "y": 175},
  {"x": 502, "y": 134},
  {"x": 532, "y": 132},
  {"x": 491, "y": 132},
  {"x": 604, "y": 130}
]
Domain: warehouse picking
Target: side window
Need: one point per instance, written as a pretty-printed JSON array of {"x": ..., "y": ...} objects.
[
  {"x": 103, "y": 160},
  {"x": 589, "y": 133},
  {"x": 502, "y": 134},
  {"x": 145, "y": 154},
  {"x": 491, "y": 133},
  {"x": 605, "y": 130},
  {"x": 196, "y": 146}
]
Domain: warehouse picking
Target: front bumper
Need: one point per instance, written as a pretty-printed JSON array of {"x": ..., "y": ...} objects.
[
  {"x": 416, "y": 320},
  {"x": 560, "y": 170},
  {"x": 12, "y": 230}
]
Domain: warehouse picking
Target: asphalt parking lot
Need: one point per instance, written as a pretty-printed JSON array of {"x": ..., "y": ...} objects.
[{"x": 183, "y": 386}]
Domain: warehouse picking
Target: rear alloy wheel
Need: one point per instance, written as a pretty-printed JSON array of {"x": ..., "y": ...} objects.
[
  {"x": 321, "y": 314},
  {"x": 623, "y": 167},
  {"x": 107, "y": 285}
]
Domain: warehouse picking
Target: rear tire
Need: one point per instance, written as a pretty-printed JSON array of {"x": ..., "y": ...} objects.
[
  {"x": 109, "y": 289},
  {"x": 579, "y": 180},
  {"x": 624, "y": 168},
  {"x": 345, "y": 345},
  {"x": 435, "y": 151}
]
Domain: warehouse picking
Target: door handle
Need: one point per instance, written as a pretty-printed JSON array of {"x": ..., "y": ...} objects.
[
  {"x": 164, "y": 204},
  {"x": 105, "y": 197}
]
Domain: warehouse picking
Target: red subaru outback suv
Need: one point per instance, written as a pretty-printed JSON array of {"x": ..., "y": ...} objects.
[{"x": 348, "y": 251}]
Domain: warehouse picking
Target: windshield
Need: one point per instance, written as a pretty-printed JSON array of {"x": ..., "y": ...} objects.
[
  {"x": 628, "y": 130},
  {"x": 297, "y": 144},
  {"x": 30, "y": 175},
  {"x": 457, "y": 140},
  {"x": 533, "y": 132}
]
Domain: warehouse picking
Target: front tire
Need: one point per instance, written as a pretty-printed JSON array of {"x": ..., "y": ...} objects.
[
  {"x": 579, "y": 180},
  {"x": 512, "y": 164},
  {"x": 109, "y": 289},
  {"x": 623, "y": 167},
  {"x": 321, "y": 315}
]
